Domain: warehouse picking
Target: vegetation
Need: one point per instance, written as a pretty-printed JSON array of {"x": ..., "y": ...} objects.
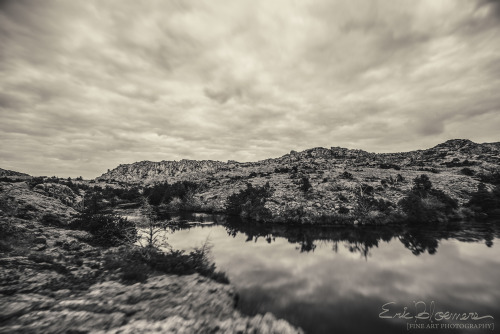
[
  {"x": 492, "y": 178},
  {"x": 305, "y": 184},
  {"x": 178, "y": 195},
  {"x": 467, "y": 171},
  {"x": 135, "y": 264},
  {"x": 423, "y": 204},
  {"x": 389, "y": 166},
  {"x": 107, "y": 229},
  {"x": 250, "y": 202},
  {"x": 485, "y": 203}
]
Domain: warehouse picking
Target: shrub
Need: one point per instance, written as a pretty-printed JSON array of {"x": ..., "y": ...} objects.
[
  {"x": 51, "y": 219},
  {"x": 136, "y": 263},
  {"x": 389, "y": 166},
  {"x": 250, "y": 202},
  {"x": 305, "y": 184},
  {"x": 107, "y": 229},
  {"x": 5, "y": 247},
  {"x": 492, "y": 178},
  {"x": 343, "y": 210},
  {"x": 138, "y": 272},
  {"x": 423, "y": 204},
  {"x": 485, "y": 202},
  {"x": 346, "y": 175},
  {"x": 467, "y": 171},
  {"x": 282, "y": 170},
  {"x": 164, "y": 192},
  {"x": 7, "y": 229}
]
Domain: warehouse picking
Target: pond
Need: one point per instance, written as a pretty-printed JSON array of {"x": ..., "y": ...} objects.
[{"x": 338, "y": 279}]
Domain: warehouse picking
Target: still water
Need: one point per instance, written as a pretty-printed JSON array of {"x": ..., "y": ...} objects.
[{"x": 337, "y": 279}]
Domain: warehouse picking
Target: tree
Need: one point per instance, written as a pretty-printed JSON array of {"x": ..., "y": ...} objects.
[
  {"x": 154, "y": 236},
  {"x": 305, "y": 184},
  {"x": 422, "y": 185}
]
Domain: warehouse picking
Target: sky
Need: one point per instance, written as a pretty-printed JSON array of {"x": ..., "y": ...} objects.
[{"x": 88, "y": 85}]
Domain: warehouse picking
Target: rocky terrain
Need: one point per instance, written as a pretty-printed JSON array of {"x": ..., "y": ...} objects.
[
  {"x": 17, "y": 199},
  {"x": 13, "y": 174},
  {"x": 335, "y": 175},
  {"x": 54, "y": 280}
]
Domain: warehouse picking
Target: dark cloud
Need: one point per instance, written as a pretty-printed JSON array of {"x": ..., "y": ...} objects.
[{"x": 87, "y": 85}]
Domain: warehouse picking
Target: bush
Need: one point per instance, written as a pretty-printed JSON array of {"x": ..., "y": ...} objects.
[
  {"x": 346, "y": 175},
  {"x": 305, "y": 184},
  {"x": 51, "y": 219},
  {"x": 138, "y": 272},
  {"x": 484, "y": 202},
  {"x": 7, "y": 229},
  {"x": 164, "y": 193},
  {"x": 467, "y": 171},
  {"x": 343, "y": 210},
  {"x": 282, "y": 170},
  {"x": 492, "y": 178},
  {"x": 136, "y": 263},
  {"x": 426, "y": 205},
  {"x": 107, "y": 229},
  {"x": 389, "y": 166},
  {"x": 250, "y": 202}
]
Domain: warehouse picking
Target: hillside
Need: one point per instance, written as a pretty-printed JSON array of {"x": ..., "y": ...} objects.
[
  {"x": 11, "y": 173},
  {"x": 335, "y": 175}
]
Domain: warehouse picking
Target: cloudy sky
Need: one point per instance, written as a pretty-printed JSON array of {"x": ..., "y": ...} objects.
[{"x": 87, "y": 85}]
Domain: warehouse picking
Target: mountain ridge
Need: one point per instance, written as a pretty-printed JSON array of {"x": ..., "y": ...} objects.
[{"x": 485, "y": 154}]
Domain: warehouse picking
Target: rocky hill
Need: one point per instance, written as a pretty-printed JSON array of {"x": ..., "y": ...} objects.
[
  {"x": 452, "y": 153},
  {"x": 335, "y": 176},
  {"x": 11, "y": 173}
]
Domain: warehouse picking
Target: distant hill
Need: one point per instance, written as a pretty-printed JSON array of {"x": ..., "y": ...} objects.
[
  {"x": 320, "y": 181},
  {"x": 452, "y": 153}
]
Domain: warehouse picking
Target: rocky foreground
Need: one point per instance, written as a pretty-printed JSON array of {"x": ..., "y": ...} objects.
[{"x": 52, "y": 280}]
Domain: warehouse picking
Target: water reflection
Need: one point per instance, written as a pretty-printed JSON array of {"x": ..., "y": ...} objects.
[
  {"x": 328, "y": 280},
  {"x": 357, "y": 239}
]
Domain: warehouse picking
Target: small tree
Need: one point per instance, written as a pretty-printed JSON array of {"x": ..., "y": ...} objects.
[
  {"x": 422, "y": 185},
  {"x": 305, "y": 184},
  {"x": 154, "y": 235}
]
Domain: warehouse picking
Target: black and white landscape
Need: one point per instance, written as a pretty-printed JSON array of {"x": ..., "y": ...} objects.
[{"x": 249, "y": 166}]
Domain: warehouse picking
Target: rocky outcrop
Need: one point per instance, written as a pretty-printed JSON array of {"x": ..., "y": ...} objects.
[
  {"x": 17, "y": 199},
  {"x": 60, "y": 191},
  {"x": 149, "y": 172}
]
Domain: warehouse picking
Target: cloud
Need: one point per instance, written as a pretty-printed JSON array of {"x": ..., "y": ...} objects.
[{"x": 88, "y": 85}]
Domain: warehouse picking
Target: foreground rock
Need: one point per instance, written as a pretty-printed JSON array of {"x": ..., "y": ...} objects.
[
  {"x": 17, "y": 199},
  {"x": 164, "y": 304},
  {"x": 53, "y": 281}
]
